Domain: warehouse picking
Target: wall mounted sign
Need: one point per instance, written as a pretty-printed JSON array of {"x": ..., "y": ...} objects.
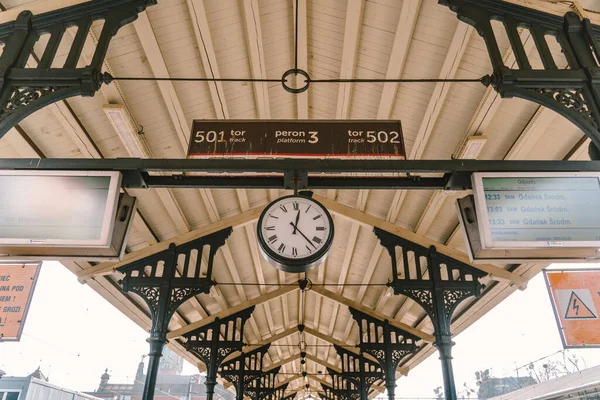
[
  {"x": 297, "y": 138},
  {"x": 575, "y": 296},
  {"x": 17, "y": 283}
]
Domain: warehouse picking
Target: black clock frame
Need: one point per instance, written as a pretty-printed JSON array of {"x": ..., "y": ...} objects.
[{"x": 298, "y": 265}]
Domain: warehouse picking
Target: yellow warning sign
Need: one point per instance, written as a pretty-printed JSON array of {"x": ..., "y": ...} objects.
[{"x": 575, "y": 297}]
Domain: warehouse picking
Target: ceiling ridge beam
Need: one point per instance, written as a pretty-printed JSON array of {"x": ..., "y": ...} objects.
[
  {"x": 457, "y": 48},
  {"x": 235, "y": 222},
  {"x": 302, "y": 29},
  {"x": 404, "y": 34},
  {"x": 208, "y": 56},
  {"x": 497, "y": 273},
  {"x": 282, "y": 291},
  {"x": 257, "y": 57},
  {"x": 373, "y": 313},
  {"x": 352, "y": 29}
]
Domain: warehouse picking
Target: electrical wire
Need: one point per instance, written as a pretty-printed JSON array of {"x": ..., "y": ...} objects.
[
  {"x": 296, "y": 284},
  {"x": 307, "y": 80}
]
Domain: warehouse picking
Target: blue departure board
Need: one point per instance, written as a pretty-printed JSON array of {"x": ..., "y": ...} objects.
[{"x": 553, "y": 211}]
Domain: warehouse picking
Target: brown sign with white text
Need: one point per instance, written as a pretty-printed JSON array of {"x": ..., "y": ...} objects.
[{"x": 17, "y": 282}]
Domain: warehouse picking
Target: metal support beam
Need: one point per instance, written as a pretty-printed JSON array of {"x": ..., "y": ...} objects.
[
  {"x": 573, "y": 92},
  {"x": 242, "y": 370},
  {"x": 360, "y": 370},
  {"x": 164, "y": 289},
  {"x": 26, "y": 90},
  {"x": 213, "y": 342},
  {"x": 445, "y": 285},
  {"x": 389, "y": 350}
]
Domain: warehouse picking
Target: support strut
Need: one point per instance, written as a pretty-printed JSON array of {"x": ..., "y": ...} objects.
[
  {"x": 164, "y": 287},
  {"x": 438, "y": 284}
]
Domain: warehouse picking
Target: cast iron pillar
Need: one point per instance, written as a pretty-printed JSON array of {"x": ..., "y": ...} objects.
[
  {"x": 215, "y": 341},
  {"x": 242, "y": 370},
  {"x": 166, "y": 280},
  {"x": 437, "y": 283},
  {"x": 572, "y": 90},
  {"x": 360, "y": 370},
  {"x": 27, "y": 85},
  {"x": 386, "y": 343},
  {"x": 265, "y": 387}
]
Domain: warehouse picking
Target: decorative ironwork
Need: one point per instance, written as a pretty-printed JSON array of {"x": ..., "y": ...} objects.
[
  {"x": 387, "y": 343},
  {"x": 25, "y": 90},
  {"x": 22, "y": 97},
  {"x": 343, "y": 388},
  {"x": 215, "y": 341},
  {"x": 265, "y": 387},
  {"x": 361, "y": 371},
  {"x": 572, "y": 89},
  {"x": 244, "y": 369},
  {"x": 572, "y": 99},
  {"x": 436, "y": 282},
  {"x": 166, "y": 280}
]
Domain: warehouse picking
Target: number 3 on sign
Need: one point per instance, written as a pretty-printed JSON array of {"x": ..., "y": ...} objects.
[{"x": 313, "y": 137}]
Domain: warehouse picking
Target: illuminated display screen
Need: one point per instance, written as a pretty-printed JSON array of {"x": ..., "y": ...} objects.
[
  {"x": 542, "y": 209},
  {"x": 54, "y": 209}
]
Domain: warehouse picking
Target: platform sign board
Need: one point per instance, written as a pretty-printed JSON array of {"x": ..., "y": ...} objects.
[
  {"x": 296, "y": 138},
  {"x": 575, "y": 296},
  {"x": 17, "y": 283}
]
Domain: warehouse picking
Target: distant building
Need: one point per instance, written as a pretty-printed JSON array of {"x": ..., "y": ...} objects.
[
  {"x": 498, "y": 386},
  {"x": 35, "y": 386},
  {"x": 170, "y": 384}
]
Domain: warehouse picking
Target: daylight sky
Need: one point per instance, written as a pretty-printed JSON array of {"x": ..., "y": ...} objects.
[{"x": 73, "y": 334}]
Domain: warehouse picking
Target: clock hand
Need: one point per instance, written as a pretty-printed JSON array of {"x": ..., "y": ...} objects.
[
  {"x": 296, "y": 226},
  {"x": 303, "y": 235}
]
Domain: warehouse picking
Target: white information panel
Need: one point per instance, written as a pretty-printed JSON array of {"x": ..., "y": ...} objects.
[
  {"x": 58, "y": 208},
  {"x": 538, "y": 209}
]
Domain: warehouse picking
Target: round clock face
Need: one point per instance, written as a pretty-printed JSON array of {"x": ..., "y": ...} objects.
[{"x": 295, "y": 233}]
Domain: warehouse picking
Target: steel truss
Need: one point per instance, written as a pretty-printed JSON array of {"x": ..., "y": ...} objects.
[
  {"x": 388, "y": 344},
  {"x": 362, "y": 372},
  {"x": 158, "y": 281},
  {"x": 213, "y": 342},
  {"x": 244, "y": 369},
  {"x": 316, "y": 174},
  {"x": 343, "y": 388},
  {"x": 265, "y": 387},
  {"x": 25, "y": 90},
  {"x": 438, "y": 284},
  {"x": 574, "y": 92}
]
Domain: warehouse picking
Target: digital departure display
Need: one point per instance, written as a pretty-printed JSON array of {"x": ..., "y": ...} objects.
[{"x": 543, "y": 210}]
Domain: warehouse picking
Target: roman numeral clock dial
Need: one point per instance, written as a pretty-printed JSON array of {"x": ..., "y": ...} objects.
[{"x": 295, "y": 233}]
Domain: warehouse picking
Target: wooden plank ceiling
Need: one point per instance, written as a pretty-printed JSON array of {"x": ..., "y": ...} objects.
[{"x": 337, "y": 39}]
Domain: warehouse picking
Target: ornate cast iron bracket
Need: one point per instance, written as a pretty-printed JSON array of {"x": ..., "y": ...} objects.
[
  {"x": 573, "y": 92},
  {"x": 214, "y": 342},
  {"x": 242, "y": 370},
  {"x": 388, "y": 344},
  {"x": 437, "y": 283},
  {"x": 362, "y": 372},
  {"x": 26, "y": 90},
  {"x": 265, "y": 387},
  {"x": 164, "y": 287},
  {"x": 343, "y": 388}
]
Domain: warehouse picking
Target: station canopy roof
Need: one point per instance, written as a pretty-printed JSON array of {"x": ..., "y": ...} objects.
[{"x": 337, "y": 39}]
